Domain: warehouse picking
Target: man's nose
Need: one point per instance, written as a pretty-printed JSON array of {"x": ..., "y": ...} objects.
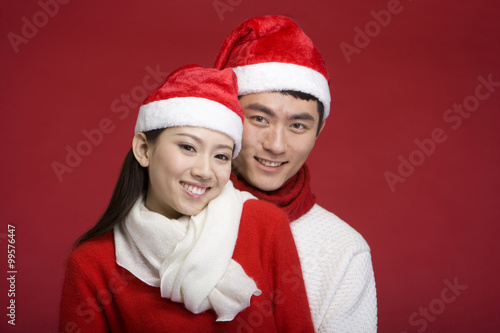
[{"x": 275, "y": 140}]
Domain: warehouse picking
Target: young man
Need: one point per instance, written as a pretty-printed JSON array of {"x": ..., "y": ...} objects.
[{"x": 284, "y": 90}]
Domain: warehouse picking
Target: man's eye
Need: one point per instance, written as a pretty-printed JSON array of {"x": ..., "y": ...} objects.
[
  {"x": 298, "y": 126},
  {"x": 259, "y": 119}
]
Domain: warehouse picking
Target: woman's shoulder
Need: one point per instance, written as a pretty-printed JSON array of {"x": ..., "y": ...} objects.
[
  {"x": 101, "y": 248},
  {"x": 93, "y": 265}
]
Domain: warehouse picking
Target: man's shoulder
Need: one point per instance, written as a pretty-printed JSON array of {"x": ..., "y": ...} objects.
[{"x": 319, "y": 224}]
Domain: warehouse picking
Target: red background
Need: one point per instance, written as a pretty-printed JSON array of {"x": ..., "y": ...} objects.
[{"x": 440, "y": 224}]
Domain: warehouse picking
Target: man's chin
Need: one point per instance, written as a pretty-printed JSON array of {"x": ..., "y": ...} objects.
[{"x": 266, "y": 184}]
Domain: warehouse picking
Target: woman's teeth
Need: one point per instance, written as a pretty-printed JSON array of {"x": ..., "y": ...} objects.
[{"x": 195, "y": 189}]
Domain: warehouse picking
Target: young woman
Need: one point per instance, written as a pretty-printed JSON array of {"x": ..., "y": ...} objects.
[{"x": 179, "y": 249}]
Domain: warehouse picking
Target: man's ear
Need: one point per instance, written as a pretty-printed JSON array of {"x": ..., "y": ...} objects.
[
  {"x": 141, "y": 149},
  {"x": 321, "y": 128}
]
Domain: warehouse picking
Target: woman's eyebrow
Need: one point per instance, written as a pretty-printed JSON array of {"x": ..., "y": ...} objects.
[{"x": 200, "y": 140}]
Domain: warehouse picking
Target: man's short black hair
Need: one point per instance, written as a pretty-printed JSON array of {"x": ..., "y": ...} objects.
[{"x": 308, "y": 97}]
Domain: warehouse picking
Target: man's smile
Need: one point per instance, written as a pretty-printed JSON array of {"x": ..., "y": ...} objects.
[{"x": 269, "y": 163}]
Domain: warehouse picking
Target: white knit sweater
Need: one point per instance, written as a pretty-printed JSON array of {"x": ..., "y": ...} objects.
[{"x": 338, "y": 273}]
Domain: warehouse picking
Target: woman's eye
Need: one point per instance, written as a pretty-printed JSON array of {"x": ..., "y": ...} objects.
[
  {"x": 222, "y": 157},
  {"x": 187, "y": 147}
]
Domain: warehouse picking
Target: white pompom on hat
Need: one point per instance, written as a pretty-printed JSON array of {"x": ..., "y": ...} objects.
[
  {"x": 272, "y": 53},
  {"x": 195, "y": 96}
]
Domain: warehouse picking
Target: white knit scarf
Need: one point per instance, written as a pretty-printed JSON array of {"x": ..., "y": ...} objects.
[{"x": 189, "y": 258}]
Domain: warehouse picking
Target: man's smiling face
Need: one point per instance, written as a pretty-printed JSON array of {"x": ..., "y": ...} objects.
[{"x": 279, "y": 132}]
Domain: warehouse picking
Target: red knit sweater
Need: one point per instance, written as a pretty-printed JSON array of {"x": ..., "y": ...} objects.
[{"x": 100, "y": 296}]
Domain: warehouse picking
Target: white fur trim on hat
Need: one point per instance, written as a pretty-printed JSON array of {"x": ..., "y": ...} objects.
[
  {"x": 277, "y": 76},
  {"x": 191, "y": 111}
]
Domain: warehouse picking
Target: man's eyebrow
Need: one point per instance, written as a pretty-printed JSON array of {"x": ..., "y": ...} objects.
[
  {"x": 264, "y": 109},
  {"x": 302, "y": 116},
  {"x": 261, "y": 108}
]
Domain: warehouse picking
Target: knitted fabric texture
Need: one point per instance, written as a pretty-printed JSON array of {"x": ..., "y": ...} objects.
[
  {"x": 338, "y": 273},
  {"x": 174, "y": 253},
  {"x": 294, "y": 196},
  {"x": 100, "y": 296},
  {"x": 335, "y": 259}
]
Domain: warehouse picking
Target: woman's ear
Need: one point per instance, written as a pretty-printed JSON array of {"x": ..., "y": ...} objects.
[{"x": 141, "y": 149}]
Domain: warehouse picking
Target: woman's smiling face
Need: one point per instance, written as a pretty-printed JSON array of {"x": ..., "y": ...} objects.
[{"x": 187, "y": 167}]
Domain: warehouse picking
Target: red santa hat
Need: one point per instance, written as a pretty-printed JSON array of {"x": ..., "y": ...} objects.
[
  {"x": 272, "y": 53},
  {"x": 195, "y": 96}
]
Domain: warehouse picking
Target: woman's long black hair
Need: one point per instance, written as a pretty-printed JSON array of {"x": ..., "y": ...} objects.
[{"x": 132, "y": 182}]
